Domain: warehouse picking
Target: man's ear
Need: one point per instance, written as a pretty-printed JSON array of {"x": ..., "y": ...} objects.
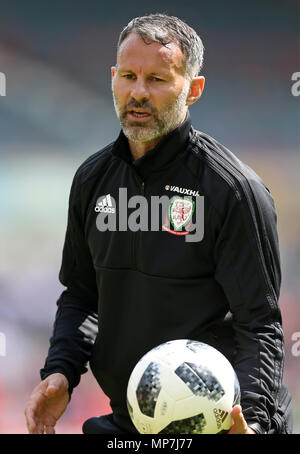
[
  {"x": 196, "y": 89},
  {"x": 113, "y": 71}
]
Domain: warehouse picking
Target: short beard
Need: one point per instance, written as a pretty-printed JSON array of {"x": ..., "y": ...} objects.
[{"x": 164, "y": 122}]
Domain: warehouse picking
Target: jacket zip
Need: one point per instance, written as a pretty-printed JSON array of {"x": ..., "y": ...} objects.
[{"x": 134, "y": 234}]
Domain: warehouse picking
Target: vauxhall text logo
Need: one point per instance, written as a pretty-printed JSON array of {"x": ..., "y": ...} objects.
[
  {"x": 182, "y": 191},
  {"x": 178, "y": 215}
]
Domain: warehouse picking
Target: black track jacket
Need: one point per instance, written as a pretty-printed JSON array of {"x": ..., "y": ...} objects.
[{"x": 129, "y": 291}]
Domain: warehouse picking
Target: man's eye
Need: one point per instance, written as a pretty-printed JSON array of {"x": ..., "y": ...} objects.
[
  {"x": 128, "y": 76},
  {"x": 156, "y": 79}
]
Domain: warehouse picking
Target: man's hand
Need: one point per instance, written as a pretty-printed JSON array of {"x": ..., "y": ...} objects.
[
  {"x": 239, "y": 425},
  {"x": 46, "y": 404}
]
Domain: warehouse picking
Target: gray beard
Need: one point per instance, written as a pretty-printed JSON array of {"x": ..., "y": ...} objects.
[{"x": 167, "y": 120}]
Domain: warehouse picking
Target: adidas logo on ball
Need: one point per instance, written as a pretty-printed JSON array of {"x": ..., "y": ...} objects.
[{"x": 220, "y": 416}]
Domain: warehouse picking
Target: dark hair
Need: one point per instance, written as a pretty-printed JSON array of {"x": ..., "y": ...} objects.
[{"x": 165, "y": 29}]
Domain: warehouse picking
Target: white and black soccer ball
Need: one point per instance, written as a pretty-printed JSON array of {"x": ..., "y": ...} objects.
[{"x": 182, "y": 387}]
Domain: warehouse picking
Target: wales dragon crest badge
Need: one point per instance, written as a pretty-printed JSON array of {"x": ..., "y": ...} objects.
[{"x": 179, "y": 215}]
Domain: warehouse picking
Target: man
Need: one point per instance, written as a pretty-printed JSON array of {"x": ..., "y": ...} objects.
[{"x": 130, "y": 288}]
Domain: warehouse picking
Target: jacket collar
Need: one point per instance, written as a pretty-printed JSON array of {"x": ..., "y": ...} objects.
[{"x": 163, "y": 153}]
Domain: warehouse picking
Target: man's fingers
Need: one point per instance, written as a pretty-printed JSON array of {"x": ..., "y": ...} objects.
[
  {"x": 236, "y": 411},
  {"x": 49, "y": 430},
  {"x": 39, "y": 428},
  {"x": 31, "y": 426},
  {"x": 239, "y": 423},
  {"x": 30, "y": 421}
]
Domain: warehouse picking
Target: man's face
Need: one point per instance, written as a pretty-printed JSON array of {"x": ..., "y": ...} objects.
[{"x": 149, "y": 88}]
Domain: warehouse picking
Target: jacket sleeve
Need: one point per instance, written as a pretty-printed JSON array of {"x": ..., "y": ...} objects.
[
  {"x": 248, "y": 269},
  {"x": 76, "y": 322}
]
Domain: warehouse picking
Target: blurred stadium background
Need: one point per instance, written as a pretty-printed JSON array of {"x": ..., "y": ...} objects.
[{"x": 56, "y": 56}]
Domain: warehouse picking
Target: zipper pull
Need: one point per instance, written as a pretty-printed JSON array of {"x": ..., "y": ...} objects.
[{"x": 143, "y": 188}]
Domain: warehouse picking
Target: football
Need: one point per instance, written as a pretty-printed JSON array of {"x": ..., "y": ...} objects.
[{"x": 182, "y": 387}]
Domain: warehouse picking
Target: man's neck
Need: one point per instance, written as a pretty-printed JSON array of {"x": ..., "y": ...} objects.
[{"x": 139, "y": 149}]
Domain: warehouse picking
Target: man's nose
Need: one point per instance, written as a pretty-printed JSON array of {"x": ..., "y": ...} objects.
[{"x": 139, "y": 90}]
